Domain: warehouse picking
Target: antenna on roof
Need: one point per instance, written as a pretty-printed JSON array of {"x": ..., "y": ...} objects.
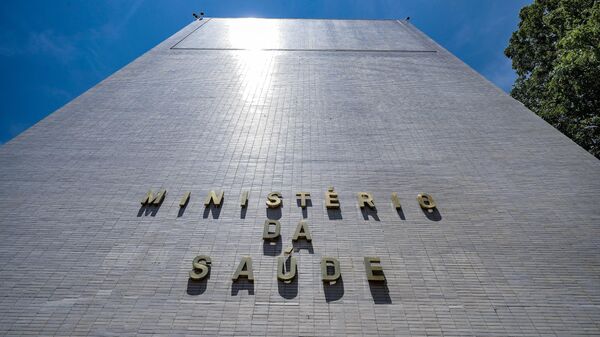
[
  {"x": 198, "y": 17},
  {"x": 407, "y": 18}
]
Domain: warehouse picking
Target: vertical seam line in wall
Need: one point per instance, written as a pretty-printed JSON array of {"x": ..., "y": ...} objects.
[{"x": 190, "y": 33}]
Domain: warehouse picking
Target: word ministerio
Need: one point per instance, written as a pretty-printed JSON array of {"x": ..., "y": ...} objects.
[{"x": 287, "y": 265}]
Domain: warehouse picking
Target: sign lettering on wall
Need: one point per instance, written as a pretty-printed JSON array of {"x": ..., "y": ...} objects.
[{"x": 287, "y": 265}]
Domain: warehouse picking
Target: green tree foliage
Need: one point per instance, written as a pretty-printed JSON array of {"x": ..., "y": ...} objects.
[{"x": 556, "y": 54}]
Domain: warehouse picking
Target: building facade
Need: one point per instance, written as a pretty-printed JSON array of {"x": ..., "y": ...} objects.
[{"x": 439, "y": 206}]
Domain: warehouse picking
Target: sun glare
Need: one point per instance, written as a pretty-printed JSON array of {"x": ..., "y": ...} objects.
[{"x": 254, "y": 34}]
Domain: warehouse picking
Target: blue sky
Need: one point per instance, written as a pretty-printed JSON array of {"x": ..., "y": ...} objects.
[{"x": 53, "y": 51}]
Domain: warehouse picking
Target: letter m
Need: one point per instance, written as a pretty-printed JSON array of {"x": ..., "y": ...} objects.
[{"x": 154, "y": 199}]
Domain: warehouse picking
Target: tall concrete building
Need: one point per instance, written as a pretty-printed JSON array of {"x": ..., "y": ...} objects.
[{"x": 439, "y": 206}]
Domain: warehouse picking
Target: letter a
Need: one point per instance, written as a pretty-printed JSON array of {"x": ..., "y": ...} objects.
[
  {"x": 244, "y": 269},
  {"x": 302, "y": 232}
]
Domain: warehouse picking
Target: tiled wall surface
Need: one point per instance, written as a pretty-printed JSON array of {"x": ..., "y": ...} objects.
[{"x": 514, "y": 251}]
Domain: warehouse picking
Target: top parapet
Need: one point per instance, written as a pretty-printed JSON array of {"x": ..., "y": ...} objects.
[{"x": 305, "y": 34}]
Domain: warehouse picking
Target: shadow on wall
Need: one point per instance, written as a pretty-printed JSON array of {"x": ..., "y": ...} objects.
[
  {"x": 380, "y": 292},
  {"x": 304, "y": 209},
  {"x": 241, "y": 285},
  {"x": 303, "y": 244},
  {"x": 272, "y": 248},
  {"x": 216, "y": 211},
  {"x": 400, "y": 213},
  {"x": 369, "y": 212},
  {"x": 434, "y": 215},
  {"x": 335, "y": 291},
  {"x": 182, "y": 210},
  {"x": 274, "y": 213},
  {"x": 197, "y": 287},
  {"x": 288, "y": 290},
  {"x": 150, "y": 210},
  {"x": 334, "y": 213}
]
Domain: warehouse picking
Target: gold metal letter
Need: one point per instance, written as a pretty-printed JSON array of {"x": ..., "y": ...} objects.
[
  {"x": 244, "y": 199},
  {"x": 371, "y": 269},
  {"x": 291, "y": 273},
  {"x": 185, "y": 199},
  {"x": 217, "y": 200},
  {"x": 426, "y": 202},
  {"x": 244, "y": 269},
  {"x": 365, "y": 198},
  {"x": 331, "y": 199},
  {"x": 274, "y": 200},
  {"x": 303, "y": 196},
  {"x": 302, "y": 232},
  {"x": 396, "y": 200},
  {"x": 327, "y": 261},
  {"x": 267, "y": 234},
  {"x": 200, "y": 267},
  {"x": 151, "y": 199}
]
